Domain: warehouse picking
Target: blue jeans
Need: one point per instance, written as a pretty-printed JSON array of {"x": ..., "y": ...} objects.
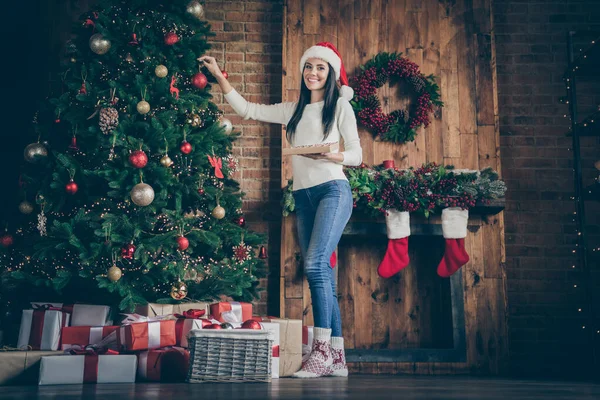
[{"x": 322, "y": 212}]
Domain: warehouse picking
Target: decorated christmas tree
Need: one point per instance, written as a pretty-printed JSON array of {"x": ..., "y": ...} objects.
[{"x": 127, "y": 190}]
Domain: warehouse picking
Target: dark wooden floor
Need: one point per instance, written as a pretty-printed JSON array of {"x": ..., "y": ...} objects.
[{"x": 356, "y": 387}]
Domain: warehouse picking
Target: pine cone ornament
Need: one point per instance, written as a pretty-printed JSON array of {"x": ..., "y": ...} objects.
[
  {"x": 417, "y": 82},
  {"x": 109, "y": 119},
  {"x": 371, "y": 102},
  {"x": 381, "y": 78},
  {"x": 400, "y": 116}
]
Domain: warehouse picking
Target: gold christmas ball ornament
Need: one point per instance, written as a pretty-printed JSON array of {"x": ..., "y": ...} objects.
[
  {"x": 99, "y": 44},
  {"x": 114, "y": 273},
  {"x": 166, "y": 161},
  {"x": 142, "y": 194},
  {"x": 35, "y": 152},
  {"x": 179, "y": 291},
  {"x": 226, "y": 124},
  {"x": 194, "y": 120},
  {"x": 161, "y": 71},
  {"x": 218, "y": 212},
  {"x": 195, "y": 9},
  {"x": 26, "y": 207},
  {"x": 143, "y": 107}
]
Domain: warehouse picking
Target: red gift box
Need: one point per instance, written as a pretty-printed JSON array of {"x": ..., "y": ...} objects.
[
  {"x": 164, "y": 365},
  {"x": 232, "y": 311},
  {"x": 82, "y": 336},
  {"x": 146, "y": 335}
]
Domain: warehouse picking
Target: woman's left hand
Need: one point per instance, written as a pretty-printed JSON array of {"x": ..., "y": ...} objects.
[{"x": 335, "y": 157}]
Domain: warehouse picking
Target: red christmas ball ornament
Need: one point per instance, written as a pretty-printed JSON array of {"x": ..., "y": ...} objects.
[
  {"x": 128, "y": 251},
  {"x": 186, "y": 147},
  {"x": 252, "y": 324},
  {"x": 225, "y": 74},
  {"x": 213, "y": 326},
  {"x": 240, "y": 221},
  {"x": 71, "y": 187},
  {"x": 6, "y": 240},
  {"x": 138, "y": 159},
  {"x": 182, "y": 243},
  {"x": 171, "y": 38},
  {"x": 199, "y": 80}
]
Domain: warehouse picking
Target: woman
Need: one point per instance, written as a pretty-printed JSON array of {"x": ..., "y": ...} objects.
[{"x": 321, "y": 191}]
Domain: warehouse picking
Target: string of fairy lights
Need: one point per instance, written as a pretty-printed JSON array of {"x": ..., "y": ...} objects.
[{"x": 586, "y": 127}]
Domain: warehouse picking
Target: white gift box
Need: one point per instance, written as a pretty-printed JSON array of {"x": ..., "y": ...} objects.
[
  {"x": 64, "y": 370},
  {"x": 83, "y": 314},
  {"x": 53, "y": 322}
]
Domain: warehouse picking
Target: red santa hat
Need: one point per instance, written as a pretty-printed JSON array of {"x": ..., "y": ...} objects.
[{"x": 327, "y": 52}]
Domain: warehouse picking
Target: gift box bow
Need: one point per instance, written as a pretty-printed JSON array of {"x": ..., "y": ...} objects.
[{"x": 137, "y": 318}]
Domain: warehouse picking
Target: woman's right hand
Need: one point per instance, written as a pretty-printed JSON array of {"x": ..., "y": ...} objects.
[{"x": 211, "y": 64}]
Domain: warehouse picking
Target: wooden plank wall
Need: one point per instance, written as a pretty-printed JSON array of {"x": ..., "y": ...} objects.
[{"x": 452, "y": 39}]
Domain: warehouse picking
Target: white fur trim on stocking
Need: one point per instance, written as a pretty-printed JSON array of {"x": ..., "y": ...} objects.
[
  {"x": 398, "y": 224},
  {"x": 454, "y": 223}
]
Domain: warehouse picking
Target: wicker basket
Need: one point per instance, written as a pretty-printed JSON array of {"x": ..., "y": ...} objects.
[{"x": 236, "y": 355}]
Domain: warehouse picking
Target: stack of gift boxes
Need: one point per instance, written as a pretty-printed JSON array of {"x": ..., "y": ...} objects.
[{"x": 73, "y": 344}]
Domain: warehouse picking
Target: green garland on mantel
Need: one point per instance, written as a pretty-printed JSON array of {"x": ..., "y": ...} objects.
[{"x": 427, "y": 189}]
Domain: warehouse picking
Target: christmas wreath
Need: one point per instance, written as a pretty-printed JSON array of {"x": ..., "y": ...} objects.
[{"x": 400, "y": 126}]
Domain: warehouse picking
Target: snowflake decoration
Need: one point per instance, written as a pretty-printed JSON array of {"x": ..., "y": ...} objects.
[
  {"x": 232, "y": 164},
  {"x": 41, "y": 225},
  {"x": 242, "y": 252}
]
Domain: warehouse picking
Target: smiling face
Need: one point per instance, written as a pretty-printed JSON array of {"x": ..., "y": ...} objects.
[{"x": 315, "y": 73}]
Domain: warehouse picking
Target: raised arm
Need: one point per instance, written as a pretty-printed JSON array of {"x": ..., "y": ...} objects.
[{"x": 276, "y": 113}]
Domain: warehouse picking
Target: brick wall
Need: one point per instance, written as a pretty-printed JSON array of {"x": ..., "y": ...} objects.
[
  {"x": 248, "y": 46},
  {"x": 545, "y": 292}
]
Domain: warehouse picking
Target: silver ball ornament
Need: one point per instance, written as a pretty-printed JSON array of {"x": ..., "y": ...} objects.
[
  {"x": 142, "y": 194},
  {"x": 195, "y": 9},
  {"x": 35, "y": 152},
  {"x": 161, "y": 71},
  {"x": 26, "y": 207},
  {"x": 225, "y": 123},
  {"x": 99, "y": 44},
  {"x": 143, "y": 107}
]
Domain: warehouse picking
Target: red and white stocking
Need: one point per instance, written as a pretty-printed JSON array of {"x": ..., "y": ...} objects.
[
  {"x": 454, "y": 229},
  {"x": 396, "y": 256}
]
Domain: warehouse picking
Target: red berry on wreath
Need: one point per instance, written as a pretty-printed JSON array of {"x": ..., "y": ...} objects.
[
  {"x": 199, "y": 80},
  {"x": 138, "y": 159},
  {"x": 71, "y": 187},
  {"x": 171, "y": 38},
  {"x": 186, "y": 147},
  {"x": 201, "y": 191},
  {"x": 182, "y": 243}
]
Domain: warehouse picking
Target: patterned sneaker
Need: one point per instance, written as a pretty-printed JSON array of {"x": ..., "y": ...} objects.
[
  {"x": 338, "y": 367},
  {"x": 320, "y": 360}
]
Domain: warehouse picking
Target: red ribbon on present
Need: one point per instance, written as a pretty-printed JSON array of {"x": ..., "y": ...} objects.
[
  {"x": 37, "y": 324},
  {"x": 90, "y": 363},
  {"x": 217, "y": 164},
  {"x": 191, "y": 314}
]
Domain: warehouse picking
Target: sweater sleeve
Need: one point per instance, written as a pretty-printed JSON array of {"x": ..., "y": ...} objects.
[
  {"x": 276, "y": 113},
  {"x": 346, "y": 122}
]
